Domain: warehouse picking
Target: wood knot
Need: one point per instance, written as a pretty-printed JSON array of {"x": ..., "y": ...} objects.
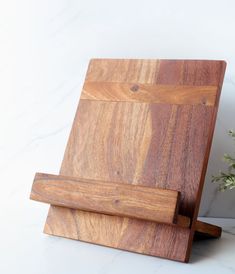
[
  {"x": 134, "y": 88},
  {"x": 116, "y": 201},
  {"x": 204, "y": 101}
]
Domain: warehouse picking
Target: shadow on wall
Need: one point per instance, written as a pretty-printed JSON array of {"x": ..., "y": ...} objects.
[{"x": 215, "y": 203}]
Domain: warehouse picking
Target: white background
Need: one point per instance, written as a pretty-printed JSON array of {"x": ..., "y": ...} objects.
[{"x": 45, "y": 47}]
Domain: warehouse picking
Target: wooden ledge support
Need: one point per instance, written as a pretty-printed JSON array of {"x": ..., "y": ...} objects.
[
  {"x": 135, "y": 201},
  {"x": 204, "y": 230}
]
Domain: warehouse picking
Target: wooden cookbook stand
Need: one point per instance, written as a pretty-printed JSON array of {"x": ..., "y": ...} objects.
[{"x": 135, "y": 163}]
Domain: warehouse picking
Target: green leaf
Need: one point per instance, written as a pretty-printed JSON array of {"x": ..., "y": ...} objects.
[{"x": 226, "y": 180}]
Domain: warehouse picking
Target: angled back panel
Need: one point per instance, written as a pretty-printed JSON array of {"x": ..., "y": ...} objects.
[{"x": 144, "y": 122}]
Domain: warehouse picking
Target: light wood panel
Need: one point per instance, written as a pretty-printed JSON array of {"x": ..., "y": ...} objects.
[
  {"x": 159, "y": 145},
  {"x": 168, "y": 94}
]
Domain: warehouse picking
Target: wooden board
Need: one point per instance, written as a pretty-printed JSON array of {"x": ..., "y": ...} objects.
[
  {"x": 127, "y": 200},
  {"x": 159, "y": 139}
]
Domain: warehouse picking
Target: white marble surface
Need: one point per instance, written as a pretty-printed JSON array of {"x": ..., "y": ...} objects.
[
  {"x": 45, "y": 47},
  {"x": 24, "y": 249}
]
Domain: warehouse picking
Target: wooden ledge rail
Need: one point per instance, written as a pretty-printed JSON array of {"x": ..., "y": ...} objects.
[{"x": 135, "y": 201}]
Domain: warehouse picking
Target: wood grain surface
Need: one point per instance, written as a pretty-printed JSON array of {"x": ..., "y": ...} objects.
[
  {"x": 203, "y": 229},
  {"x": 127, "y": 200},
  {"x": 168, "y": 94},
  {"x": 163, "y": 145}
]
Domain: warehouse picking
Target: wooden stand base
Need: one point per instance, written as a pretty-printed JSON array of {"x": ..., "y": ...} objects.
[{"x": 135, "y": 163}]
